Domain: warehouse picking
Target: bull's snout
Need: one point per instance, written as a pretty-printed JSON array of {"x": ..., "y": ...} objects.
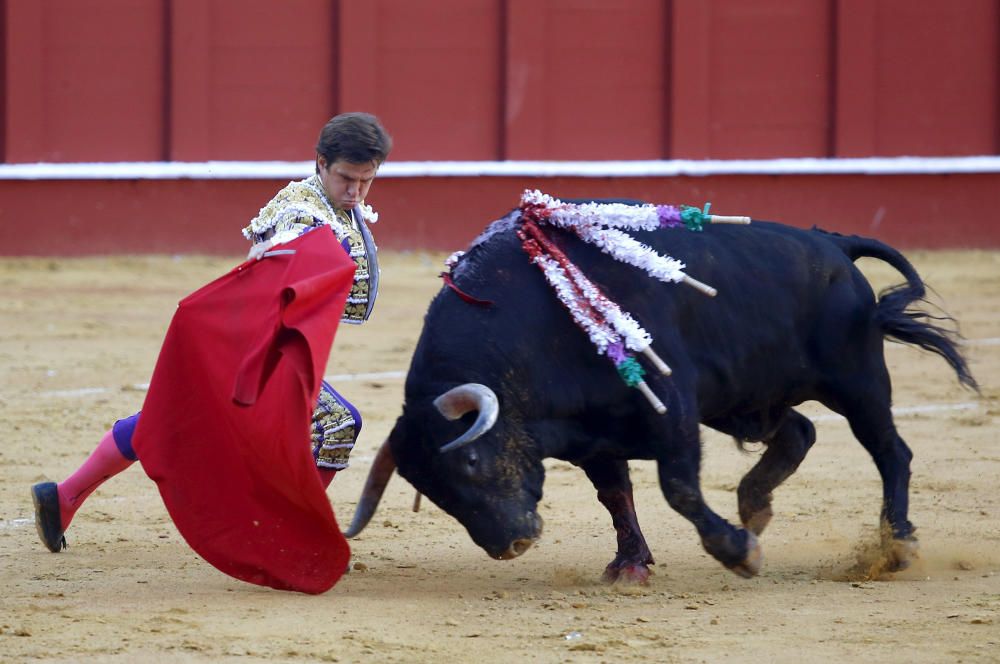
[
  {"x": 516, "y": 548},
  {"x": 522, "y": 544}
]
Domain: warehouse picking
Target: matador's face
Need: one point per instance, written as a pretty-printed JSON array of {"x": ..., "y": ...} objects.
[{"x": 345, "y": 182}]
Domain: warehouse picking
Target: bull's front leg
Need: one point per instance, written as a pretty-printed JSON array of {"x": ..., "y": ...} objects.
[
  {"x": 614, "y": 489},
  {"x": 679, "y": 465}
]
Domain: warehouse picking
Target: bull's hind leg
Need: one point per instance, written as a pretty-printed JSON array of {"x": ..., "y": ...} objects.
[
  {"x": 679, "y": 465},
  {"x": 614, "y": 490},
  {"x": 871, "y": 422},
  {"x": 864, "y": 396},
  {"x": 786, "y": 449}
]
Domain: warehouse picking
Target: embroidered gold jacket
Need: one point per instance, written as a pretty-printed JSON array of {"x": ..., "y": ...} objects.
[{"x": 302, "y": 205}]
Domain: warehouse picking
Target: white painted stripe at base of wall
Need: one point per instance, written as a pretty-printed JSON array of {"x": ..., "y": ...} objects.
[{"x": 250, "y": 170}]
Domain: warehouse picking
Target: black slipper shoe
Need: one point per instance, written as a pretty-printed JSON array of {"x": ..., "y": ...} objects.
[{"x": 47, "y": 519}]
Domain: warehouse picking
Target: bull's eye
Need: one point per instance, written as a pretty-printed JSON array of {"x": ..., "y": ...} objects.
[{"x": 472, "y": 460}]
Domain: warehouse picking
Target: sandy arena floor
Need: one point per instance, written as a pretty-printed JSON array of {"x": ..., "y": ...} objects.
[{"x": 78, "y": 339}]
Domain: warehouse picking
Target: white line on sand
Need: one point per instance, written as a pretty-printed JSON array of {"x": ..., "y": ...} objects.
[
  {"x": 898, "y": 412},
  {"x": 393, "y": 375},
  {"x": 336, "y": 378},
  {"x": 910, "y": 410}
]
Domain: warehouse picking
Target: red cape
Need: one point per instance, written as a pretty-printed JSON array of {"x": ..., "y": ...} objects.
[{"x": 224, "y": 430}]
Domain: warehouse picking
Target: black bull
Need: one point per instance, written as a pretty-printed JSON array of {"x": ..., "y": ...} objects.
[{"x": 794, "y": 320}]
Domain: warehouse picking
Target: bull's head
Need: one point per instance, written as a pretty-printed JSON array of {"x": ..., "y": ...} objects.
[{"x": 485, "y": 475}]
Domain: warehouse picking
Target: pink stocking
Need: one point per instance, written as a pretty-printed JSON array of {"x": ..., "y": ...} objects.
[{"x": 104, "y": 462}]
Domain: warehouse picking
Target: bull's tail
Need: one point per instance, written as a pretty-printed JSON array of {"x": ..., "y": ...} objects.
[{"x": 898, "y": 321}]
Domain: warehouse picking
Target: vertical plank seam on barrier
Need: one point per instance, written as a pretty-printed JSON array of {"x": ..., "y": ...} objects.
[
  {"x": 833, "y": 50},
  {"x": 167, "y": 83},
  {"x": 335, "y": 57},
  {"x": 502, "y": 66},
  {"x": 667, "y": 101}
]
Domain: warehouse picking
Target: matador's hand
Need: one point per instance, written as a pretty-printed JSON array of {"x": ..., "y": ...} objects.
[{"x": 257, "y": 251}]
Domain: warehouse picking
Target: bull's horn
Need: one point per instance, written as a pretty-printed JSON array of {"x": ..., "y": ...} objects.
[
  {"x": 382, "y": 468},
  {"x": 464, "y": 398}
]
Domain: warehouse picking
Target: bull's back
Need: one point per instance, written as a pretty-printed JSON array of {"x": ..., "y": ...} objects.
[
  {"x": 780, "y": 290},
  {"x": 786, "y": 298}
]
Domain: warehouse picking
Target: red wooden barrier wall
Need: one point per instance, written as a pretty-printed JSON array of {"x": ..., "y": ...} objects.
[
  {"x": 195, "y": 80},
  {"x": 247, "y": 82}
]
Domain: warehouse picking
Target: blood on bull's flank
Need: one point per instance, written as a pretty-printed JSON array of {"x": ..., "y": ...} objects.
[{"x": 541, "y": 345}]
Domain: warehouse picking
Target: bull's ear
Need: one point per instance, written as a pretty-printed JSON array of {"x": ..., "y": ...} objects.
[{"x": 466, "y": 398}]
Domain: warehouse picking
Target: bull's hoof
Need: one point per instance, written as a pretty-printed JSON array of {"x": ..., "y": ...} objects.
[
  {"x": 900, "y": 553},
  {"x": 750, "y": 566},
  {"x": 637, "y": 574},
  {"x": 630, "y": 568},
  {"x": 757, "y": 521},
  {"x": 755, "y": 508}
]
